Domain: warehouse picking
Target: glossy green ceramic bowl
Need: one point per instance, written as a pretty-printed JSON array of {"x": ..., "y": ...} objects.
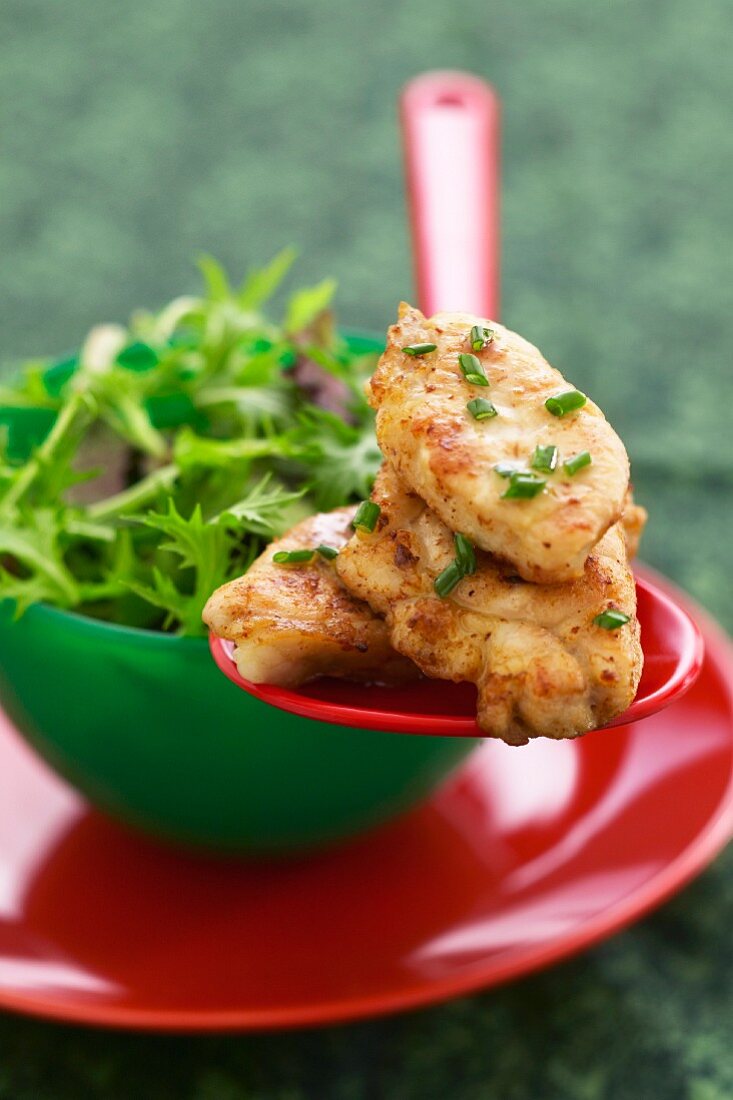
[{"x": 149, "y": 730}]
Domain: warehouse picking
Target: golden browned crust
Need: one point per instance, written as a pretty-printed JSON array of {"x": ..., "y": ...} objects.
[
  {"x": 292, "y": 623},
  {"x": 541, "y": 665},
  {"x": 442, "y": 453},
  {"x": 633, "y": 521}
]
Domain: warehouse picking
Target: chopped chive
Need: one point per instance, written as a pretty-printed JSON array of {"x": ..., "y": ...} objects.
[
  {"x": 463, "y": 565},
  {"x": 506, "y": 469},
  {"x": 446, "y": 581},
  {"x": 577, "y": 463},
  {"x": 545, "y": 458},
  {"x": 481, "y": 409},
  {"x": 327, "y": 552},
  {"x": 523, "y": 485},
  {"x": 293, "y": 557},
  {"x": 465, "y": 555},
  {"x": 481, "y": 337},
  {"x": 419, "y": 349},
  {"x": 611, "y": 619},
  {"x": 472, "y": 370},
  {"x": 366, "y": 516},
  {"x": 563, "y": 403}
]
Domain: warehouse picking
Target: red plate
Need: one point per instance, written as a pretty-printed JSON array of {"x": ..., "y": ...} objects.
[{"x": 527, "y": 856}]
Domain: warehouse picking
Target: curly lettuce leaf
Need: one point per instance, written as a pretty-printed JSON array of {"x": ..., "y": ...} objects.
[{"x": 208, "y": 407}]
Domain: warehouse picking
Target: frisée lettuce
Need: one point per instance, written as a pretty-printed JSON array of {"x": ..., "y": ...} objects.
[{"x": 169, "y": 451}]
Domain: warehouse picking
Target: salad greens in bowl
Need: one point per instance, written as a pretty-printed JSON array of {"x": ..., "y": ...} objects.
[
  {"x": 136, "y": 477},
  {"x": 172, "y": 450}
]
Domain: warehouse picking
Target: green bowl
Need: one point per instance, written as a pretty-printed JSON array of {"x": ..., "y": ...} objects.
[{"x": 149, "y": 730}]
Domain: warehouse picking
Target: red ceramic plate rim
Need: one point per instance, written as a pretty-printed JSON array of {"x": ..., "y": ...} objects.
[
  {"x": 344, "y": 714},
  {"x": 676, "y": 874}
]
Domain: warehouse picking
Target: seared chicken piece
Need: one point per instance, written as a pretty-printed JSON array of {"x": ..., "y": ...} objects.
[
  {"x": 290, "y": 623},
  {"x": 442, "y": 453},
  {"x": 541, "y": 664},
  {"x": 633, "y": 522}
]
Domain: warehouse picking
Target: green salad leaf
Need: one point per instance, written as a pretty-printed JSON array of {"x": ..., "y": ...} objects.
[
  {"x": 339, "y": 459},
  {"x": 306, "y": 306},
  {"x": 172, "y": 449}
]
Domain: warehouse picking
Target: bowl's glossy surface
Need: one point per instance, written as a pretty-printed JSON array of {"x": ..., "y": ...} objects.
[{"x": 150, "y": 731}]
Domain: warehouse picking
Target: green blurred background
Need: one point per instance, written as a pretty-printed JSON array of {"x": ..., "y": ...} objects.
[{"x": 137, "y": 135}]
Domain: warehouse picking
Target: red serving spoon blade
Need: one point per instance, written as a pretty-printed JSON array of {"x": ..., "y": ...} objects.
[{"x": 673, "y": 654}]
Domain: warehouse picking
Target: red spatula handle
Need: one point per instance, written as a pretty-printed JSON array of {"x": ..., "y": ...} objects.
[{"x": 450, "y": 123}]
